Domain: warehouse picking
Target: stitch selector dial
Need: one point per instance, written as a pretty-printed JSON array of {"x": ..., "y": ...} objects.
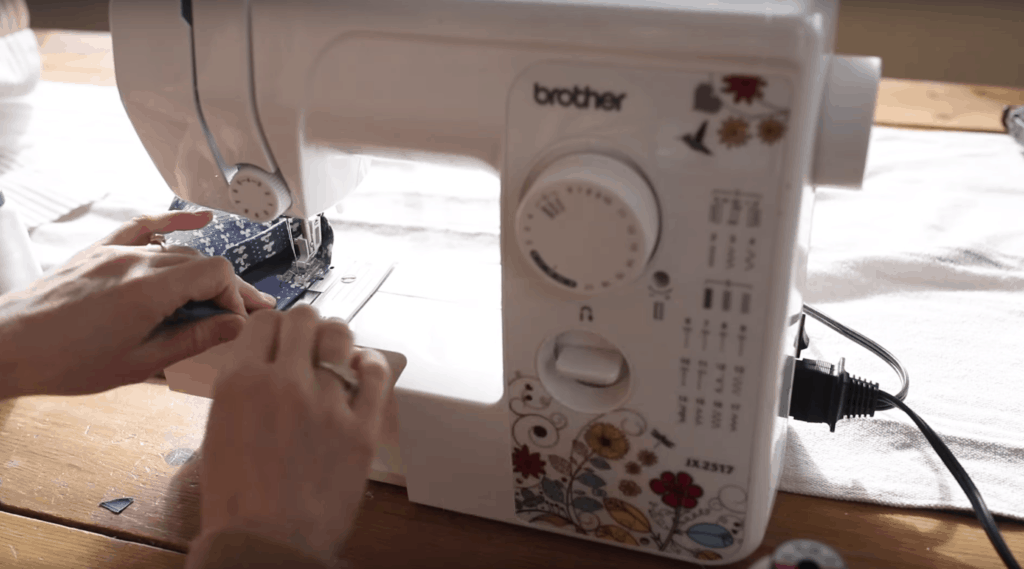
[{"x": 588, "y": 224}]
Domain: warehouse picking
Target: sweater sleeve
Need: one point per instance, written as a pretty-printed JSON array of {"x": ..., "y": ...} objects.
[{"x": 231, "y": 549}]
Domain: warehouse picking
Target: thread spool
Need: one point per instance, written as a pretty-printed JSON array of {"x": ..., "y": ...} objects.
[{"x": 801, "y": 554}]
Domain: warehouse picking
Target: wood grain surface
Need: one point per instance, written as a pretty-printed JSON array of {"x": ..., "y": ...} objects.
[
  {"x": 26, "y": 543},
  {"x": 77, "y": 57},
  {"x": 922, "y": 104},
  {"x": 61, "y": 457}
]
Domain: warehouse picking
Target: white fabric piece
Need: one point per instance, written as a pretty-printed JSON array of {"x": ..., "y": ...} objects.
[
  {"x": 20, "y": 65},
  {"x": 927, "y": 260},
  {"x": 19, "y": 74},
  {"x": 18, "y": 267},
  {"x": 78, "y": 144}
]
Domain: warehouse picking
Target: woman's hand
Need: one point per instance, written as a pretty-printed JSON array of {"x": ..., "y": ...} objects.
[
  {"x": 88, "y": 327},
  {"x": 287, "y": 448}
]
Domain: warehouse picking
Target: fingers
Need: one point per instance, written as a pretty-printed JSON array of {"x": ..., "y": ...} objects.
[
  {"x": 333, "y": 342},
  {"x": 209, "y": 278},
  {"x": 298, "y": 340},
  {"x": 374, "y": 384},
  {"x": 334, "y": 347},
  {"x": 178, "y": 250},
  {"x": 254, "y": 299},
  {"x": 331, "y": 392},
  {"x": 249, "y": 298},
  {"x": 168, "y": 349},
  {"x": 258, "y": 341},
  {"x": 167, "y": 255},
  {"x": 140, "y": 230},
  {"x": 236, "y": 295}
]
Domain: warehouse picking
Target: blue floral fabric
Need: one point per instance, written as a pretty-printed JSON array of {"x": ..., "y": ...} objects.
[{"x": 261, "y": 254}]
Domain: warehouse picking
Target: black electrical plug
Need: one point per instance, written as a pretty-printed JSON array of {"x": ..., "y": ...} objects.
[{"x": 825, "y": 393}]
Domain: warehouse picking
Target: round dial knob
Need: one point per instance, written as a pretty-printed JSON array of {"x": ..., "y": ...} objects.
[
  {"x": 258, "y": 195},
  {"x": 588, "y": 224}
]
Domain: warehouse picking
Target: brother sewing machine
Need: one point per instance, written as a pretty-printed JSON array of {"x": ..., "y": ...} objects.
[{"x": 658, "y": 161}]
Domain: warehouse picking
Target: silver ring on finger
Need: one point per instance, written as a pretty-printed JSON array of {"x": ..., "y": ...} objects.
[
  {"x": 344, "y": 374},
  {"x": 158, "y": 239}
]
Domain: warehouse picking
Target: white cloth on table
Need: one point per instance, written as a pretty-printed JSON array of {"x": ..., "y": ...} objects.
[
  {"x": 927, "y": 259},
  {"x": 19, "y": 74},
  {"x": 78, "y": 146}
]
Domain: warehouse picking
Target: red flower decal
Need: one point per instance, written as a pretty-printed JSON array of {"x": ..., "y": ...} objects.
[
  {"x": 745, "y": 87},
  {"x": 527, "y": 464},
  {"x": 677, "y": 490}
]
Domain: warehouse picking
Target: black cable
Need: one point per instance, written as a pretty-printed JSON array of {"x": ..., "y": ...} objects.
[
  {"x": 980, "y": 509},
  {"x": 884, "y": 354},
  {"x": 826, "y": 393}
]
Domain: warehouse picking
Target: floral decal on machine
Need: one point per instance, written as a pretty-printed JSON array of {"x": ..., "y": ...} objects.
[
  {"x": 594, "y": 483},
  {"x": 745, "y": 113}
]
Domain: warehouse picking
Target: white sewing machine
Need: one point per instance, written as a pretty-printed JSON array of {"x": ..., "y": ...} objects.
[{"x": 658, "y": 162}]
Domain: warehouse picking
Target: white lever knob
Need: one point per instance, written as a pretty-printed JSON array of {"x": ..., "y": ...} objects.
[{"x": 593, "y": 366}]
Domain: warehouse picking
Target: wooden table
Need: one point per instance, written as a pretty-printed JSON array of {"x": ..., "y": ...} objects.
[{"x": 61, "y": 457}]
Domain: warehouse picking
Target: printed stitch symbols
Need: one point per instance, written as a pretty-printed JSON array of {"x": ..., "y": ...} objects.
[{"x": 746, "y": 109}]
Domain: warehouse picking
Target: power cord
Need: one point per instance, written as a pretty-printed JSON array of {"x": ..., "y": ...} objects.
[
  {"x": 883, "y": 354},
  {"x": 825, "y": 393},
  {"x": 980, "y": 509}
]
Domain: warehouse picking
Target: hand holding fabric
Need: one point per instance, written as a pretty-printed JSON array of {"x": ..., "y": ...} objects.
[
  {"x": 288, "y": 447},
  {"x": 89, "y": 326}
]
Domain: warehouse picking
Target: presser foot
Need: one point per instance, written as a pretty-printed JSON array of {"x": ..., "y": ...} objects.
[{"x": 306, "y": 247}]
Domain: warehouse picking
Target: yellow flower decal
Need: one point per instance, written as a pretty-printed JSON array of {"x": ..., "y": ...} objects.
[
  {"x": 734, "y": 132},
  {"x": 607, "y": 441},
  {"x": 771, "y": 130},
  {"x": 647, "y": 458},
  {"x": 629, "y": 488}
]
